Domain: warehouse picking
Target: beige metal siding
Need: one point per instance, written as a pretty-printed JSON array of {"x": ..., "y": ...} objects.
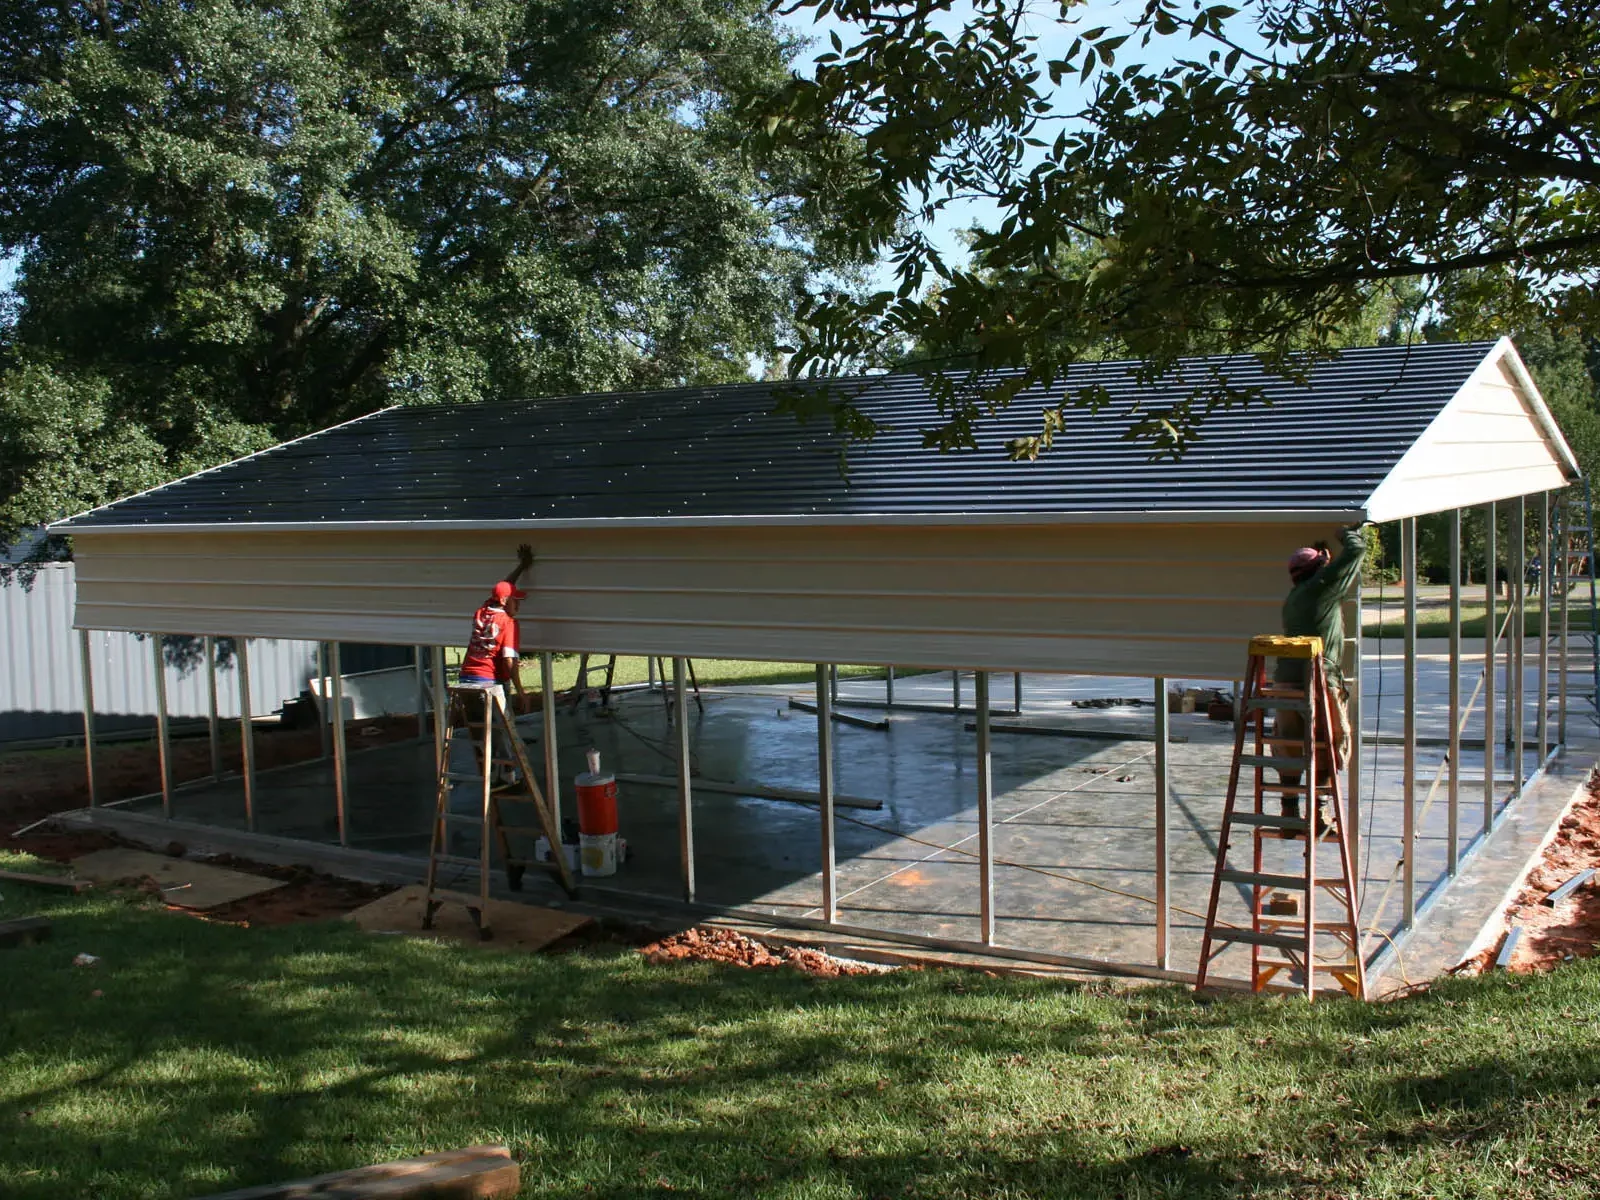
[
  {"x": 1177, "y": 600},
  {"x": 1486, "y": 444}
]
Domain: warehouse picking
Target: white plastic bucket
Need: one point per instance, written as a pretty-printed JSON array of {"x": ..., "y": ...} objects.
[{"x": 598, "y": 853}]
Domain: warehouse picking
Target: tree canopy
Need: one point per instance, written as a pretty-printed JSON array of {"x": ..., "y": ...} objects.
[
  {"x": 239, "y": 220},
  {"x": 1236, "y": 180}
]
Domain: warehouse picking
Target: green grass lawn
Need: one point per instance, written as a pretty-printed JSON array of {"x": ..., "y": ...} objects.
[
  {"x": 219, "y": 1057},
  {"x": 1433, "y": 624}
]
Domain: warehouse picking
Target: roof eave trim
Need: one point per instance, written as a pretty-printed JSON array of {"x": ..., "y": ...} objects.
[{"x": 1138, "y": 517}]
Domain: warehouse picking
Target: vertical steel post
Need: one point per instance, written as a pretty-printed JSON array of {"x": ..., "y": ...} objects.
[
  {"x": 1016, "y": 692},
  {"x": 1565, "y": 538},
  {"x": 86, "y": 667},
  {"x": 680, "y": 717},
  {"x": 547, "y": 710},
  {"x": 888, "y": 689},
  {"x": 322, "y": 680},
  {"x": 1546, "y": 574},
  {"x": 424, "y": 701},
  {"x": 1491, "y": 652},
  {"x": 833, "y": 683},
  {"x": 212, "y": 728},
  {"x": 1163, "y": 867},
  {"x": 340, "y": 763},
  {"x": 1515, "y": 715},
  {"x": 247, "y": 734},
  {"x": 980, "y": 686},
  {"x": 1454, "y": 751},
  {"x": 1354, "y": 645},
  {"x": 1408, "y": 564},
  {"x": 163, "y": 734},
  {"x": 830, "y": 911},
  {"x": 441, "y": 709},
  {"x": 955, "y": 691}
]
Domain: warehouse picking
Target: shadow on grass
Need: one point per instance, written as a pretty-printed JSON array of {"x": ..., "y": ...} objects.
[{"x": 220, "y": 1057}]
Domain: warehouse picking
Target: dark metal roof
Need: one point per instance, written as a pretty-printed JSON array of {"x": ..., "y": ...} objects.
[{"x": 722, "y": 452}]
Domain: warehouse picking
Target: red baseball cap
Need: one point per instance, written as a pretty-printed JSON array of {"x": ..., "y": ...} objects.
[{"x": 504, "y": 591}]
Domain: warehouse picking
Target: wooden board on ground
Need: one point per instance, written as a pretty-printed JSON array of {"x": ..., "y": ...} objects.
[
  {"x": 183, "y": 883},
  {"x": 58, "y": 881},
  {"x": 24, "y": 931},
  {"x": 514, "y": 926},
  {"x": 476, "y": 1173}
]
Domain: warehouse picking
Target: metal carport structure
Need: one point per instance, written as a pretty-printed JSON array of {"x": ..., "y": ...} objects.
[{"x": 698, "y": 522}]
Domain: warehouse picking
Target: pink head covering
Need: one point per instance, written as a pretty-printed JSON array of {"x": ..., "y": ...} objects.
[{"x": 1305, "y": 561}]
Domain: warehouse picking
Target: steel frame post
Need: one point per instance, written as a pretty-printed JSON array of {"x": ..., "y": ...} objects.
[
  {"x": 980, "y": 684},
  {"x": 1353, "y": 681},
  {"x": 955, "y": 691},
  {"x": 1454, "y": 799},
  {"x": 825, "y": 789},
  {"x": 1016, "y": 692},
  {"x": 1563, "y": 526},
  {"x": 1546, "y": 574},
  {"x": 324, "y": 728},
  {"x": 1491, "y": 654},
  {"x": 163, "y": 734},
  {"x": 1408, "y": 564},
  {"x": 547, "y": 711},
  {"x": 441, "y": 708},
  {"x": 247, "y": 733},
  {"x": 680, "y": 718},
  {"x": 833, "y": 683},
  {"x": 212, "y": 729},
  {"x": 888, "y": 689},
  {"x": 86, "y": 668},
  {"x": 340, "y": 763},
  {"x": 1163, "y": 867},
  {"x": 424, "y": 701},
  {"x": 1515, "y": 716}
]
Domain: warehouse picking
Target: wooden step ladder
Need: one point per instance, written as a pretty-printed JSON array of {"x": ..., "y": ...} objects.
[
  {"x": 1286, "y": 936},
  {"x": 479, "y": 716}
]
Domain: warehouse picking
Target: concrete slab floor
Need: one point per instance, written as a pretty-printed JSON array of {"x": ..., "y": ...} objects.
[{"x": 1073, "y": 817}]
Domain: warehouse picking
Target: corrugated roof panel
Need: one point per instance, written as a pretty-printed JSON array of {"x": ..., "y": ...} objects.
[{"x": 724, "y": 452}]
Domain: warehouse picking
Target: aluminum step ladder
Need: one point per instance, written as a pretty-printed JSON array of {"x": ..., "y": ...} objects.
[
  {"x": 1285, "y": 933},
  {"x": 1581, "y": 629},
  {"x": 501, "y": 777}
]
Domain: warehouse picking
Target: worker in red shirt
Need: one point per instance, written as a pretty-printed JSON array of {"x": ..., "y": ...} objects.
[{"x": 492, "y": 650}]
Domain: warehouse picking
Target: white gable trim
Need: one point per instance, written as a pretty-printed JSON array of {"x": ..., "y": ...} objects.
[{"x": 1479, "y": 449}]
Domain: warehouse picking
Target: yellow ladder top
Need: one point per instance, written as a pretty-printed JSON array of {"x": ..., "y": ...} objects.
[{"x": 1275, "y": 645}]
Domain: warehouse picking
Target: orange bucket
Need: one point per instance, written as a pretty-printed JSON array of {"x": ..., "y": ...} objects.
[{"x": 597, "y": 800}]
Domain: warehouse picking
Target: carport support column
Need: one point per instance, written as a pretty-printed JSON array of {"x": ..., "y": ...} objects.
[
  {"x": 980, "y": 683},
  {"x": 1491, "y": 647},
  {"x": 163, "y": 734},
  {"x": 340, "y": 766},
  {"x": 680, "y": 719},
  {"x": 322, "y": 678},
  {"x": 1515, "y": 718},
  {"x": 211, "y": 708},
  {"x": 441, "y": 708},
  {"x": 86, "y": 667},
  {"x": 1163, "y": 900},
  {"x": 1408, "y": 565},
  {"x": 247, "y": 734},
  {"x": 1354, "y": 646},
  {"x": 1546, "y": 575},
  {"x": 830, "y": 889},
  {"x": 552, "y": 765},
  {"x": 1454, "y": 814}
]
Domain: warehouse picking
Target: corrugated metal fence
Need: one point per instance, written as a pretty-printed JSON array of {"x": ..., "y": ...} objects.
[{"x": 41, "y": 676}]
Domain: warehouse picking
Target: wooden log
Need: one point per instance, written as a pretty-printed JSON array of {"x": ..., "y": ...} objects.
[
  {"x": 24, "y": 931},
  {"x": 474, "y": 1173},
  {"x": 60, "y": 881}
]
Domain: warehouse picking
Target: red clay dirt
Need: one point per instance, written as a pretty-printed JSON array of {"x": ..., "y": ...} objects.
[
  {"x": 735, "y": 949},
  {"x": 1552, "y": 936}
]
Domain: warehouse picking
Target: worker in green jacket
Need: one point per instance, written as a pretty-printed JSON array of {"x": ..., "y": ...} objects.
[{"x": 1313, "y": 609}]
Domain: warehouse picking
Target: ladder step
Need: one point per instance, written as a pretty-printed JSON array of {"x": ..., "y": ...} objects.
[
  {"x": 1270, "y": 820},
  {"x": 1251, "y": 937},
  {"x": 1273, "y": 762},
  {"x": 1264, "y": 879},
  {"x": 1299, "y": 706},
  {"x": 1284, "y": 964}
]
